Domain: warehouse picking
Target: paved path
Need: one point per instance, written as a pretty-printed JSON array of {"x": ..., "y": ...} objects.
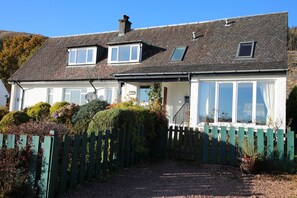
[{"x": 171, "y": 179}]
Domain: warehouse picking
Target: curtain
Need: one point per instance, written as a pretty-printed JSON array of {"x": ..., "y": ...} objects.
[{"x": 267, "y": 89}]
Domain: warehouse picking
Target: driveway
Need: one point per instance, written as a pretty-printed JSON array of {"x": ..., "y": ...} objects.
[{"x": 179, "y": 179}]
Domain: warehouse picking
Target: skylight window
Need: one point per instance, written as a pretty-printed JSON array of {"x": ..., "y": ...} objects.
[
  {"x": 178, "y": 54},
  {"x": 124, "y": 53},
  {"x": 82, "y": 55},
  {"x": 246, "y": 49}
]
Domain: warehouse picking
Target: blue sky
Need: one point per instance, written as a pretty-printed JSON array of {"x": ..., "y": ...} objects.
[{"x": 68, "y": 17}]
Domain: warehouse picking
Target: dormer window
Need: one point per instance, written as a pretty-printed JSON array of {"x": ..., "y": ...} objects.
[
  {"x": 246, "y": 49},
  {"x": 178, "y": 54},
  {"x": 124, "y": 53},
  {"x": 82, "y": 55}
]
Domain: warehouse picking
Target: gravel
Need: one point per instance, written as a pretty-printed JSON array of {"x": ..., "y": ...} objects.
[{"x": 180, "y": 179}]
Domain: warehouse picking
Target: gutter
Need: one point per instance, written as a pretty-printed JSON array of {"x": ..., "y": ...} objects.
[
  {"x": 23, "y": 94},
  {"x": 186, "y": 74}
]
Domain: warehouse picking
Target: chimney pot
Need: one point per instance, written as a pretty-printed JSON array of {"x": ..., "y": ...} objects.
[{"x": 124, "y": 25}]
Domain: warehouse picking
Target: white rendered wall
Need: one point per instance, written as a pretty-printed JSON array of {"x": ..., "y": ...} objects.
[
  {"x": 279, "y": 103},
  {"x": 38, "y": 92}
]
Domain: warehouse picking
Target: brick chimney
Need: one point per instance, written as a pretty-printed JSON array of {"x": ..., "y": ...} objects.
[{"x": 124, "y": 25}]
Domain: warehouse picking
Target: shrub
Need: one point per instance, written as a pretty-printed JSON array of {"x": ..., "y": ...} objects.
[
  {"x": 292, "y": 108},
  {"x": 13, "y": 118},
  {"x": 64, "y": 114},
  {"x": 81, "y": 119},
  {"x": 131, "y": 116},
  {"x": 39, "y": 111},
  {"x": 39, "y": 128},
  {"x": 56, "y": 107},
  {"x": 3, "y": 112},
  {"x": 14, "y": 169}
]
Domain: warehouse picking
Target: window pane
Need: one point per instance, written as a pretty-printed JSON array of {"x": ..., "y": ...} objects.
[
  {"x": 245, "y": 49},
  {"x": 90, "y": 55},
  {"x": 244, "y": 103},
  {"x": 261, "y": 108},
  {"x": 81, "y": 56},
  {"x": 143, "y": 94},
  {"x": 50, "y": 97},
  {"x": 225, "y": 102},
  {"x": 109, "y": 96},
  {"x": 206, "y": 101},
  {"x": 114, "y": 52},
  {"x": 67, "y": 95},
  {"x": 75, "y": 96},
  {"x": 124, "y": 53},
  {"x": 72, "y": 56},
  {"x": 134, "y": 55},
  {"x": 178, "y": 54}
]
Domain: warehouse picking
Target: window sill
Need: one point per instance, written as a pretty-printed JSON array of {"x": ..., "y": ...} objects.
[{"x": 80, "y": 65}]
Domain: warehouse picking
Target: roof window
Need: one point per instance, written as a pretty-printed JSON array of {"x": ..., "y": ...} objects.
[
  {"x": 82, "y": 55},
  {"x": 178, "y": 54},
  {"x": 124, "y": 53},
  {"x": 246, "y": 49}
]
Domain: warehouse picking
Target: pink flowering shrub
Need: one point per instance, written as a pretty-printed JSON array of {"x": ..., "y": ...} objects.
[{"x": 64, "y": 114}]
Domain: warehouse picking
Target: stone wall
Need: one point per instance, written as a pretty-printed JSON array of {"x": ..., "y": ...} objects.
[{"x": 292, "y": 72}]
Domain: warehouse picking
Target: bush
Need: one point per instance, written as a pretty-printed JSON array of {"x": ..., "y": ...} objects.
[
  {"x": 81, "y": 119},
  {"x": 56, "y": 107},
  {"x": 3, "y": 112},
  {"x": 13, "y": 118},
  {"x": 292, "y": 109},
  {"x": 39, "y": 111},
  {"x": 64, "y": 114},
  {"x": 131, "y": 116},
  {"x": 39, "y": 128},
  {"x": 14, "y": 169}
]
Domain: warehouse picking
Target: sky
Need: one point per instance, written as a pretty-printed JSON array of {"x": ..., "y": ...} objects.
[{"x": 69, "y": 17}]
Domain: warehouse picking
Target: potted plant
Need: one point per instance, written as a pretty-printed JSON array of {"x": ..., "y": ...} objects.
[{"x": 249, "y": 158}]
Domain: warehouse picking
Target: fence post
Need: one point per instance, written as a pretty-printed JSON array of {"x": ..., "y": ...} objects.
[
  {"x": 290, "y": 149},
  {"x": 33, "y": 161},
  {"x": 49, "y": 165}
]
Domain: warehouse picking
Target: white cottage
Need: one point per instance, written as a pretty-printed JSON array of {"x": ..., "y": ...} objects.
[
  {"x": 223, "y": 72},
  {"x": 4, "y": 95}
]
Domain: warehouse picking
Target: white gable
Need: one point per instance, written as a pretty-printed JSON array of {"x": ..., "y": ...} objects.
[{"x": 3, "y": 94}]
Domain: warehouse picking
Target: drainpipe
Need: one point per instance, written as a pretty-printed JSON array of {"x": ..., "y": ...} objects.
[
  {"x": 23, "y": 94},
  {"x": 189, "y": 79},
  {"x": 91, "y": 82}
]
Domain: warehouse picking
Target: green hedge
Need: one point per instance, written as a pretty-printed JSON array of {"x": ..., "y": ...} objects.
[
  {"x": 13, "y": 118},
  {"x": 3, "y": 112},
  {"x": 81, "y": 119},
  {"x": 39, "y": 111}
]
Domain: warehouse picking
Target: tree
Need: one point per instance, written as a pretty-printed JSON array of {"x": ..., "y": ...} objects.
[
  {"x": 15, "y": 51},
  {"x": 292, "y": 39}
]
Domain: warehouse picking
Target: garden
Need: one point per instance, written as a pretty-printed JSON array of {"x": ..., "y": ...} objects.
[{"x": 48, "y": 150}]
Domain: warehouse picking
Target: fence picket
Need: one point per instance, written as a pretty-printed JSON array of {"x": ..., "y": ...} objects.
[
  {"x": 260, "y": 141},
  {"x": 270, "y": 147},
  {"x": 290, "y": 149},
  {"x": 223, "y": 145},
  {"x": 214, "y": 144},
  {"x": 64, "y": 166},
  {"x": 74, "y": 168},
  {"x": 82, "y": 169},
  {"x": 33, "y": 161},
  {"x": 241, "y": 133},
  {"x": 280, "y": 144},
  {"x": 105, "y": 153},
  {"x": 23, "y": 141},
  {"x": 10, "y": 141},
  {"x": 98, "y": 163},
  {"x": 91, "y": 157},
  {"x": 205, "y": 143},
  {"x": 1, "y": 140},
  {"x": 232, "y": 156}
]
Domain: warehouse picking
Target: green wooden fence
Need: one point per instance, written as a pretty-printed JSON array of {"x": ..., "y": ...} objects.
[
  {"x": 220, "y": 145},
  {"x": 69, "y": 161}
]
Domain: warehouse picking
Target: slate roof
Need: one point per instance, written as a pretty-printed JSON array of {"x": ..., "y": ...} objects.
[{"x": 214, "y": 49}]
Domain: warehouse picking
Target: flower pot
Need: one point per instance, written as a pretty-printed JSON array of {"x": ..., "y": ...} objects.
[{"x": 249, "y": 165}]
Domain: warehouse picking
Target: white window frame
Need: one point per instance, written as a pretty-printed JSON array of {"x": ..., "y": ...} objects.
[
  {"x": 235, "y": 101},
  {"x": 94, "y": 57},
  {"x": 50, "y": 95},
  {"x": 117, "y": 47},
  {"x": 83, "y": 92}
]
